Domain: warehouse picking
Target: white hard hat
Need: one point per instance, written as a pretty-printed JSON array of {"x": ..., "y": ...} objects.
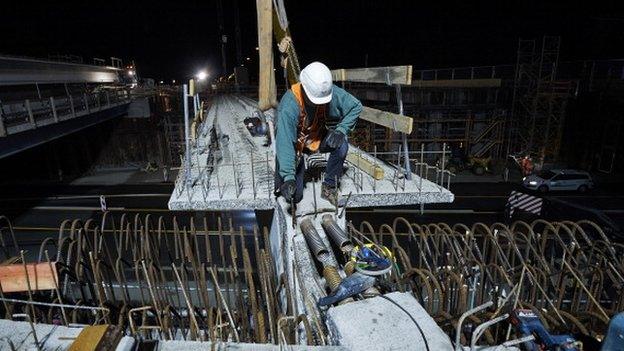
[{"x": 316, "y": 80}]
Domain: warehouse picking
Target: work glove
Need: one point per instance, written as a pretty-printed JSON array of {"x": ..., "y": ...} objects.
[
  {"x": 288, "y": 189},
  {"x": 334, "y": 139}
]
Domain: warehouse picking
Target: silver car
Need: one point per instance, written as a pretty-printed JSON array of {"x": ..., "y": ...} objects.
[{"x": 559, "y": 179}]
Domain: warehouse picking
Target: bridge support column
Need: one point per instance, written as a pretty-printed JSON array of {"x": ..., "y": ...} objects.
[
  {"x": 107, "y": 99},
  {"x": 86, "y": 102},
  {"x": 53, "y": 107},
  {"x": 31, "y": 118},
  {"x": 2, "y": 127},
  {"x": 71, "y": 104}
]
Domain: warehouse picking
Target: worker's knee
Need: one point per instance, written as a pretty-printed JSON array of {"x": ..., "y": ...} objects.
[{"x": 343, "y": 149}]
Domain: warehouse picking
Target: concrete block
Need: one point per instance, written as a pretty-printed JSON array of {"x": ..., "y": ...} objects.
[{"x": 378, "y": 324}]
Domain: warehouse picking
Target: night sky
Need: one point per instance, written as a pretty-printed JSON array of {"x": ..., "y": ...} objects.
[{"x": 175, "y": 39}]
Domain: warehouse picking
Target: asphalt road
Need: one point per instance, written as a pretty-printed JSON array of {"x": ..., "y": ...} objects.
[
  {"x": 36, "y": 211},
  {"x": 485, "y": 202}
]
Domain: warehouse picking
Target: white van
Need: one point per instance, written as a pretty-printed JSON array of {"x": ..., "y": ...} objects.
[{"x": 559, "y": 179}]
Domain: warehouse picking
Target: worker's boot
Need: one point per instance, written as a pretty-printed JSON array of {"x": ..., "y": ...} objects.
[{"x": 330, "y": 193}]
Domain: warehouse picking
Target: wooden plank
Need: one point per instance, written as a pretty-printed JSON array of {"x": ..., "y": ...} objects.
[
  {"x": 97, "y": 338},
  {"x": 396, "y": 122},
  {"x": 13, "y": 277},
  {"x": 365, "y": 165},
  {"x": 388, "y": 75}
]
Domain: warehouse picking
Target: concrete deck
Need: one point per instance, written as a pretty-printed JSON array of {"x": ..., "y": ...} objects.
[
  {"x": 231, "y": 169},
  {"x": 51, "y": 337},
  {"x": 227, "y": 346},
  {"x": 378, "y": 324}
]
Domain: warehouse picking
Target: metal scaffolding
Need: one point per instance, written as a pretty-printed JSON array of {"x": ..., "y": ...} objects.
[
  {"x": 468, "y": 117},
  {"x": 539, "y": 100}
]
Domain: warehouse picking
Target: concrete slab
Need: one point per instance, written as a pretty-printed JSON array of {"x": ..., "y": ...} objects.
[
  {"x": 51, "y": 337},
  {"x": 378, "y": 324},
  {"x": 231, "y": 169},
  {"x": 228, "y": 346}
]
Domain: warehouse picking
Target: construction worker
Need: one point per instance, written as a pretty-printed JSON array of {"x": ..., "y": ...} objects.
[
  {"x": 301, "y": 129},
  {"x": 527, "y": 165}
]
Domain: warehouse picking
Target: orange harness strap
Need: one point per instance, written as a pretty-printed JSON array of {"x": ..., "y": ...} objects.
[{"x": 309, "y": 136}]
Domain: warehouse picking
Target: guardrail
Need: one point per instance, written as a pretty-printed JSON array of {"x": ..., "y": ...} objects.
[
  {"x": 19, "y": 116},
  {"x": 420, "y": 163}
]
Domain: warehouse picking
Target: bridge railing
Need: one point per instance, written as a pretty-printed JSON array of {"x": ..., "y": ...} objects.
[{"x": 19, "y": 116}]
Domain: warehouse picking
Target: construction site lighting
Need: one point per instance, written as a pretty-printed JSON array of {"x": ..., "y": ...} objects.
[{"x": 202, "y": 75}]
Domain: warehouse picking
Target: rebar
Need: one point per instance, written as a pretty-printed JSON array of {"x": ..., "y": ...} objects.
[
  {"x": 493, "y": 258},
  {"x": 171, "y": 279},
  {"x": 163, "y": 282}
]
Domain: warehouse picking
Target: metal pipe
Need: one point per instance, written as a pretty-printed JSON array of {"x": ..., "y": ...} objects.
[
  {"x": 314, "y": 241},
  {"x": 442, "y": 165},
  {"x": 187, "y": 133},
  {"x": 338, "y": 236},
  {"x": 47, "y": 304},
  {"x": 344, "y": 207},
  {"x": 408, "y": 168}
]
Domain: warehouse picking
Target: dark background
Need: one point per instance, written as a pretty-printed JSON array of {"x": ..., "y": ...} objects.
[{"x": 174, "y": 39}]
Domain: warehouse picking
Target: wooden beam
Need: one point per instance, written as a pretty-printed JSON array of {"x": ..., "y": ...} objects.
[
  {"x": 396, "y": 122},
  {"x": 266, "y": 79},
  {"x": 387, "y": 75},
  {"x": 41, "y": 277},
  {"x": 365, "y": 165},
  {"x": 97, "y": 338}
]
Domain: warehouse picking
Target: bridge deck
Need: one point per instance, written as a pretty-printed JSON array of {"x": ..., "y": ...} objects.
[{"x": 231, "y": 169}]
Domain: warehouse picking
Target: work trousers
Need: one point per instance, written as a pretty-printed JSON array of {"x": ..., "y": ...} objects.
[{"x": 333, "y": 171}]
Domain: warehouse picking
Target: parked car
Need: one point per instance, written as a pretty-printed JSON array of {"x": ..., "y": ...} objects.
[{"x": 558, "y": 179}]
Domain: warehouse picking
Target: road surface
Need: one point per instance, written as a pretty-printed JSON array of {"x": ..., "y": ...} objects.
[{"x": 37, "y": 211}]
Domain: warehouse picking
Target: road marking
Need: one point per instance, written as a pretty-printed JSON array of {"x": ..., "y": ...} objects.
[{"x": 557, "y": 196}]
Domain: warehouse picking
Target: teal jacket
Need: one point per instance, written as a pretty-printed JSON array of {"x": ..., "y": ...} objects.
[{"x": 343, "y": 107}]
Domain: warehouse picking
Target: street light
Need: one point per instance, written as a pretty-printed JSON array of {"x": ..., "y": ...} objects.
[{"x": 202, "y": 75}]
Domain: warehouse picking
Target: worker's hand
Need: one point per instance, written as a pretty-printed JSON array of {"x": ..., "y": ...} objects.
[
  {"x": 288, "y": 189},
  {"x": 334, "y": 139}
]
